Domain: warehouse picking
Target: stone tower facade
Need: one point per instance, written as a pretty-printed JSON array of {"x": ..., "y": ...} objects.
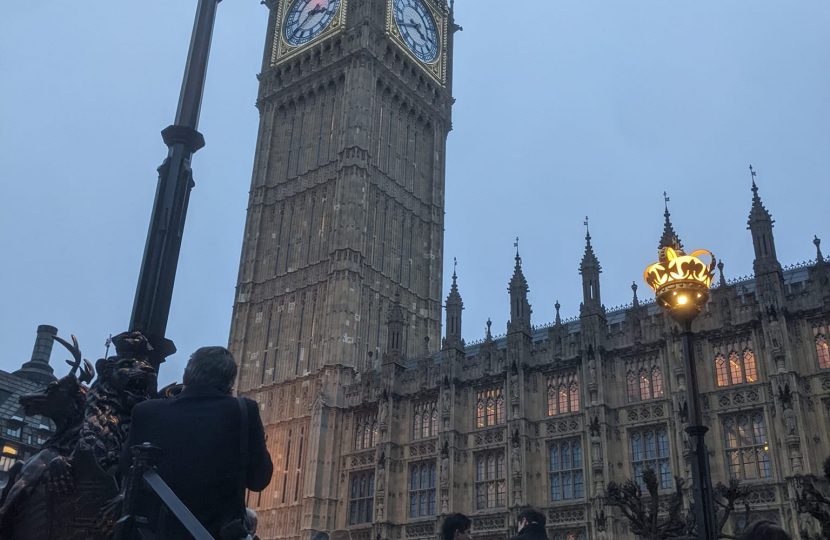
[
  {"x": 549, "y": 415},
  {"x": 345, "y": 226}
]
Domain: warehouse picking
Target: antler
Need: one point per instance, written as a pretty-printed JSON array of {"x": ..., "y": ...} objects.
[{"x": 86, "y": 372}]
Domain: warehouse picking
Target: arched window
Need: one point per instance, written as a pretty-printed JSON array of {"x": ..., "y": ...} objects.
[
  {"x": 366, "y": 431},
  {"x": 650, "y": 450},
  {"x": 720, "y": 368},
  {"x": 633, "y": 389},
  {"x": 645, "y": 384},
  {"x": 747, "y": 448},
  {"x": 425, "y": 420},
  {"x": 490, "y": 487},
  {"x": 361, "y": 498},
  {"x": 749, "y": 366},
  {"x": 657, "y": 381},
  {"x": 566, "y": 475},
  {"x": 490, "y": 407},
  {"x": 822, "y": 347},
  {"x": 574, "y": 392},
  {"x": 422, "y": 490},
  {"x": 563, "y": 398},
  {"x": 644, "y": 380},
  {"x": 735, "y": 363},
  {"x": 735, "y": 368},
  {"x": 563, "y": 393}
]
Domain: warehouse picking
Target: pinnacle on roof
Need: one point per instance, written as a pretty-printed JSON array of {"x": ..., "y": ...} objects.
[
  {"x": 454, "y": 297},
  {"x": 722, "y": 279},
  {"x": 819, "y": 256},
  {"x": 758, "y": 212},
  {"x": 589, "y": 259},
  {"x": 636, "y": 301},
  {"x": 518, "y": 280},
  {"x": 669, "y": 238},
  {"x": 558, "y": 318}
]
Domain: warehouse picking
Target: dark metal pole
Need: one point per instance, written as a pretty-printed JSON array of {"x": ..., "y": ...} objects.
[
  {"x": 701, "y": 473},
  {"x": 164, "y": 239}
]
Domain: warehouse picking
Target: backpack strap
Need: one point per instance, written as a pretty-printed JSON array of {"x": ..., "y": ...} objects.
[{"x": 243, "y": 442}]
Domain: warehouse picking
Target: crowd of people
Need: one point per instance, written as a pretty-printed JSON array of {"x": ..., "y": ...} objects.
[{"x": 213, "y": 449}]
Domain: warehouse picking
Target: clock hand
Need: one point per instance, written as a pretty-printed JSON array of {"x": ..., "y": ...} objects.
[{"x": 417, "y": 28}]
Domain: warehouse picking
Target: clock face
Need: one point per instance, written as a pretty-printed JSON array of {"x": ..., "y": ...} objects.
[
  {"x": 417, "y": 28},
  {"x": 307, "y": 18}
]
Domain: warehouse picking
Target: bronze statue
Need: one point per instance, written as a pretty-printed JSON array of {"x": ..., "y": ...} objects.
[
  {"x": 62, "y": 401},
  {"x": 60, "y": 491}
]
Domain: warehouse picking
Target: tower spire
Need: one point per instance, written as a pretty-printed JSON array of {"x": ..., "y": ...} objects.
[
  {"x": 519, "y": 307},
  {"x": 760, "y": 224},
  {"x": 454, "y": 307},
  {"x": 669, "y": 238},
  {"x": 720, "y": 270},
  {"x": 590, "y": 270}
]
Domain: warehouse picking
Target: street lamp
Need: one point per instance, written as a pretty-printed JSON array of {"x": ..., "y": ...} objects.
[{"x": 681, "y": 284}]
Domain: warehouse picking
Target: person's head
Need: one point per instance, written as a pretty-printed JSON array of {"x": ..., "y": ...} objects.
[
  {"x": 526, "y": 517},
  {"x": 764, "y": 530},
  {"x": 456, "y": 527},
  {"x": 320, "y": 535},
  {"x": 251, "y": 521},
  {"x": 211, "y": 366}
]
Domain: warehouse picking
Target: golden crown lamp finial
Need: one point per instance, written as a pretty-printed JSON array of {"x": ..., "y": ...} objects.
[{"x": 681, "y": 282}]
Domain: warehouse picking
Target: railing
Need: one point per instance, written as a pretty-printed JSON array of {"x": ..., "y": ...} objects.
[{"x": 143, "y": 482}]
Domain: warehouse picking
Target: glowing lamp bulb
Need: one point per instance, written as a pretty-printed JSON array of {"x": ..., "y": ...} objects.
[{"x": 682, "y": 300}]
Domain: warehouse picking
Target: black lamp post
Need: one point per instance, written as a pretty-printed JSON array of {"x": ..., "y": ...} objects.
[
  {"x": 164, "y": 239},
  {"x": 681, "y": 283}
]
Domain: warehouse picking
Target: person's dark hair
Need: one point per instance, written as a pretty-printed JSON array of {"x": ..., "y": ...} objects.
[
  {"x": 454, "y": 522},
  {"x": 532, "y": 516},
  {"x": 764, "y": 530},
  {"x": 211, "y": 366},
  {"x": 320, "y": 535}
]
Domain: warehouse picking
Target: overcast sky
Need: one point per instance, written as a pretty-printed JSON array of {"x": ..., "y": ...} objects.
[{"x": 564, "y": 109}]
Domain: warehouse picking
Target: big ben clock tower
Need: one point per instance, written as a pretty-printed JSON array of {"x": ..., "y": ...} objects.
[{"x": 345, "y": 219}]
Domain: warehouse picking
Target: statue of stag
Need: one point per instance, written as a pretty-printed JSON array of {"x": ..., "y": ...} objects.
[
  {"x": 61, "y": 491},
  {"x": 63, "y": 401}
]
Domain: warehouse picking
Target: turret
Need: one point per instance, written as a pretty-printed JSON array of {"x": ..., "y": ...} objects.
[
  {"x": 590, "y": 270},
  {"x": 394, "y": 336},
  {"x": 454, "y": 307},
  {"x": 760, "y": 224},
  {"x": 519, "y": 307}
]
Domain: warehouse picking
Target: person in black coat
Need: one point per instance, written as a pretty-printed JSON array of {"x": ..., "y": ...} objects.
[
  {"x": 531, "y": 526},
  {"x": 200, "y": 436}
]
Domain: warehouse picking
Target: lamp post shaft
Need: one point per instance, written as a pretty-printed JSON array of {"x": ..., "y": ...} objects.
[
  {"x": 154, "y": 291},
  {"x": 701, "y": 473}
]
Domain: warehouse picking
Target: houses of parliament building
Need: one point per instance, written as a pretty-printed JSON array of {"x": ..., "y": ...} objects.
[{"x": 379, "y": 424}]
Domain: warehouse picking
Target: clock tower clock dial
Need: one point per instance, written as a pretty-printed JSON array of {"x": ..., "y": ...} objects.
[
  {"x": 307, "y": 18},
  {"x": 418, "y": 28}
]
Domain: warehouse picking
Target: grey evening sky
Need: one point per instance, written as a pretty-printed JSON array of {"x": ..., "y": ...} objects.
[{"x": 564, "y": 108}]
